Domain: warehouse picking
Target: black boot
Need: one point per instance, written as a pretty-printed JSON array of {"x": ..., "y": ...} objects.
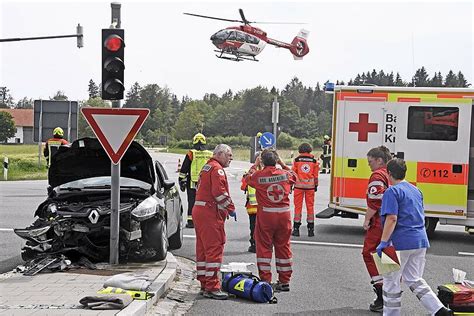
[
  {"x": 310, "y": 229},
  {"x": 443, "y": 311},
  {"x": 377, "y": 304},
  {"x": 252, "y": 247},
  {"x": 296, "y": 229}
]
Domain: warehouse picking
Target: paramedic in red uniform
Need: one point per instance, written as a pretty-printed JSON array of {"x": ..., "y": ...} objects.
[
  {"x": 378, "y": 182},
  {"x": 273, "y": 228},
  {"x": 306, "y": 168},
  {"x": 213, "y": 205}
]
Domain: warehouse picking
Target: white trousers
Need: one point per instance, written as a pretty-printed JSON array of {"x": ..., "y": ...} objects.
[{"x": 412, "y": 264}]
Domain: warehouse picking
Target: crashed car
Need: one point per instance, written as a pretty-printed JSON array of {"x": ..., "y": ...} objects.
[{"x": 75, "y": 218}]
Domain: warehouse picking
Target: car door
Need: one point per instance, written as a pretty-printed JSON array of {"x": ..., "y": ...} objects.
[{"x": 171, "y": 199}]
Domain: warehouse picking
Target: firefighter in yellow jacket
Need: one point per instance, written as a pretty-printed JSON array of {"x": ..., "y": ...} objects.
[
  {"x": 195, "y": 159},
  {"x": 53, "y": 144}
]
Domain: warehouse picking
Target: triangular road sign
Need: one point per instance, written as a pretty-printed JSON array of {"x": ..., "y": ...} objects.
[{"x": 115, "y": 128}]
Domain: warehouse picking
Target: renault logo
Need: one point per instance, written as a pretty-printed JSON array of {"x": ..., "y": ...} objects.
[{"x": 94, "y": 216}]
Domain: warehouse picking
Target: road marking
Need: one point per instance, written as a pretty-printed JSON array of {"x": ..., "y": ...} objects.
[
  {"x": 465, "y": 253},
  {"x": 316, "y": 243},
  {"x": 320, "y": 243},
  {"x": 6, "y": 229}
]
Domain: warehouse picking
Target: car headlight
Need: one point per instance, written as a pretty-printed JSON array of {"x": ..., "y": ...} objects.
[{"x": 145, "y": 209}]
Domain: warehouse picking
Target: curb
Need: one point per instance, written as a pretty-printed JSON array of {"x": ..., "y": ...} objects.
[{"x": 159, "y": 286}]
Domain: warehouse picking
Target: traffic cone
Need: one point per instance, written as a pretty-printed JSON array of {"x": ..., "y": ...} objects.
[{"x": 179, "y": 165}]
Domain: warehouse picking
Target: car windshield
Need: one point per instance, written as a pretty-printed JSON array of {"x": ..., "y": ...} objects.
[{"x": 102, "y": 183}]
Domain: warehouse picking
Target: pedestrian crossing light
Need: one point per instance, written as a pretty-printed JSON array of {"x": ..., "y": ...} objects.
[{"x": 113, "y": 64}]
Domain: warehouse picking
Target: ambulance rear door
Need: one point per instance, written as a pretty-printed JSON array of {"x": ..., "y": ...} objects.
[
  {"x": 433, "y": 131},
  {"x": 363, "y": 121}
]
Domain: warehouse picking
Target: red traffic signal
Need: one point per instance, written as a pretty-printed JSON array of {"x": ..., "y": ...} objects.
[
  {"x": 113, "y": 43},
  {"x": 113, "y": 65}
]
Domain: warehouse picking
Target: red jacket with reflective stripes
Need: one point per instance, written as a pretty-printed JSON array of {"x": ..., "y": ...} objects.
[
  {"x": 213, "y": 187},
  {"x": 273, "y": 187},
  {"x": 306, "y": 168},
  {"x": 378, "y": 183}
]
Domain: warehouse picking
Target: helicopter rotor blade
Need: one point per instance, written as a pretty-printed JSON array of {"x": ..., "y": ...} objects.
[
  {"x": 213, "y": 18},
  {"x": 244, "y": 20},
  {"x": 301, "y": 23}
]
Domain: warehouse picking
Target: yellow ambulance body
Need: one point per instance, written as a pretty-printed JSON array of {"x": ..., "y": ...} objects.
[{"x": 430, "y": 128}]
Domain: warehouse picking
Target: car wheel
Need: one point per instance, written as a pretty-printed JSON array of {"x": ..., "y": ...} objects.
[
  {"x": 176, "y": 240},
  {"x": 157, "y": 237}
]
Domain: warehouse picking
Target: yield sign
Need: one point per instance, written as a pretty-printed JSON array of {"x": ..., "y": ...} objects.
[{"x": 115, "y": 128}]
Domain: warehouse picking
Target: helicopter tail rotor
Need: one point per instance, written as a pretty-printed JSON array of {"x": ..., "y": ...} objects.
[{"x": 299, "y": 46}]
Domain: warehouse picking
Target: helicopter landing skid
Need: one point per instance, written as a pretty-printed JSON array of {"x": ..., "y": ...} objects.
[{"x": 234, "y": 57}]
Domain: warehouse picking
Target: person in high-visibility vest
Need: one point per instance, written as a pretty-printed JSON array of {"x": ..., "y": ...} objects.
[
  {"x": 326, "y": 155},
  {"x": 53, "y": 144},
  {"x": 195, "y": 159},
  {"x": 306, "y": 168},
  {"x": 251, "y": 203}
]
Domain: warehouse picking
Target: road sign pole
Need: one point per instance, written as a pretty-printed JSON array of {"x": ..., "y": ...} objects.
[
  {"x": 115, "y": 216},
  {"x": 115, "y": 206},
  {"x": 40, "y": 137},
  {"x": 275, "y": 114}
]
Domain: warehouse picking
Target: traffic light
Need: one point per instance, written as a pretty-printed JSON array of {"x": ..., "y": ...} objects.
[{"x": 113, "y": 64}]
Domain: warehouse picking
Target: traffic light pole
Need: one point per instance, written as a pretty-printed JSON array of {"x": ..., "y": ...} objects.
[
  {"x": 115, "y": 173},
  {"x": 79, "y": 35}
]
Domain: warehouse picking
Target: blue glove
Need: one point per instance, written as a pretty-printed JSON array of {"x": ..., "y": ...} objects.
[
  {"x": 233, "y": 214},
  {"x": 382, "y": 246}
]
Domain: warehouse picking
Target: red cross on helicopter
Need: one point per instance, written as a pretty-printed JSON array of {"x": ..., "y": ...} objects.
[{"x": 245, "y": 41}]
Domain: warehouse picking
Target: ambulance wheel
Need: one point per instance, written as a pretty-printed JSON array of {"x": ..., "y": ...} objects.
[{"x": 430, "y": 225}]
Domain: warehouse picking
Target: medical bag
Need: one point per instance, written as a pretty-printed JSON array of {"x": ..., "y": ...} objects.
[
  {"x": 247, "y": 286},
  {"x": 458, "y": 297}
]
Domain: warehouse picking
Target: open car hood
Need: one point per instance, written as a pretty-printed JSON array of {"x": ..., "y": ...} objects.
[{"x": 85, "y": 158}]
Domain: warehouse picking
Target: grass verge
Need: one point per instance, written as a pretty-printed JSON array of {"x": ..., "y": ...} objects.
[{"x": 23, "y": 162}]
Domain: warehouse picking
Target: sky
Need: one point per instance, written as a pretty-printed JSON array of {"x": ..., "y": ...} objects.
[{"x": 173, "y": 50}]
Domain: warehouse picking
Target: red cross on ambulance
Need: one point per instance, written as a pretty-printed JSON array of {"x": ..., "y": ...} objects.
[
  {"x": 275, "y": 193},
  {"x": 363, "y": 127}
]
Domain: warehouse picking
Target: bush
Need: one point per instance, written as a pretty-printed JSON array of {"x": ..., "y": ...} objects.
[{"x": 286, "y": 141}]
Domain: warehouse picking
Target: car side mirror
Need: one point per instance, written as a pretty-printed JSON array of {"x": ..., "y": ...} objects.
[{"x": 168, "y": 185}]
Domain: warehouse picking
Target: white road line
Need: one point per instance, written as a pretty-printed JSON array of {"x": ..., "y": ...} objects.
[
  {"x": 320, "y": 243},
  {"x": 465, "y": 253},
  {"x": 6, "y": 229},
  {"x": 316, "y": 243}
]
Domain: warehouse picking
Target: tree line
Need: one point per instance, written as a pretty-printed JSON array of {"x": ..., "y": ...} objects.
[{"x": 305, "y": 111}]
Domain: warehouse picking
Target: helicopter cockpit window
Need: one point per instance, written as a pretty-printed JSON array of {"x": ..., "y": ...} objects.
[
  {"x": 231, "y": 36},
  {"x": 222, "y": 35},
  {"x": 241, "y": 37},
  {"x": 251, "y": 39}
]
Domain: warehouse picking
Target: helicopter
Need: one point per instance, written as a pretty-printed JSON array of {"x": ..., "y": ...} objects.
[{"x": 244, "y": 42}]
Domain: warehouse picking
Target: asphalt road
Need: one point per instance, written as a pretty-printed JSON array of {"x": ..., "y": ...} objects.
[{"x": 329, "y": 275}]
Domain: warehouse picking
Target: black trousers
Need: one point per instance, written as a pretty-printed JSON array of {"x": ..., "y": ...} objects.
[
  {"x": 252, "y": 220},
  {"x": 326, "y": 162},
  {"x": 191, "y": 199}
]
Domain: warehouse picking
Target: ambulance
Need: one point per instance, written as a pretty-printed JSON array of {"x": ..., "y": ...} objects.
[{"x": 430, "y": 128}]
